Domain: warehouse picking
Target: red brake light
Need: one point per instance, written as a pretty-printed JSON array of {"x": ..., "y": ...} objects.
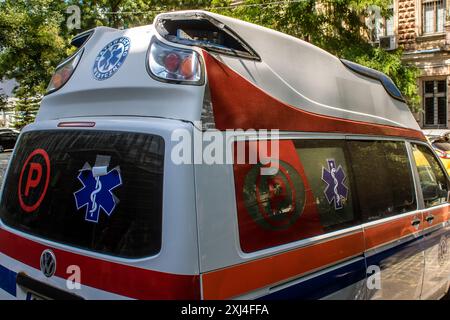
[
  {"x": 76, "y": 124},
  {"x": 174, "y": 64},
  {"x": 171, "y": 62}
]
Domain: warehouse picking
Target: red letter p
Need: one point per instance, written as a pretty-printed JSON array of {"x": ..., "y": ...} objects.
[{"x": 33, "y": 182}]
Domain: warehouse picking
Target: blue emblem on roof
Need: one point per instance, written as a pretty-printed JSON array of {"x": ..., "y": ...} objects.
[
  {"x": 96, "y": 193},
  {"x": 111, "y": 58},
  {"x": 336, "y": 191}
]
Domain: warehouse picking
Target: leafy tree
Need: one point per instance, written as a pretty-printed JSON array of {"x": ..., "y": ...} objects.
[
  {"x": 129, "y": 13},
  {"x": 26, "y": 105},
  {"x": 32, "y": 43},
  {"x": 4, "y": 105},
  {"x": 338, "y": 26}
]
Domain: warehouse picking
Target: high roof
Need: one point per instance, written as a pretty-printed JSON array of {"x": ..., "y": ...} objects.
[{"x": 301, "y": 74}]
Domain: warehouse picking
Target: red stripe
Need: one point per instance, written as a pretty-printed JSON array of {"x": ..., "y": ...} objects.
[
  {"x": 244, "y": 278},
  {"x": 440, "y": 215},
  {"x": 239, "y": 104},
  {"x": 113, "y": 277}
]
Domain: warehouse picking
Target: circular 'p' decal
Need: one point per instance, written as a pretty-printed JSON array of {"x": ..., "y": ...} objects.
[
  {"x": 275, "y": 202},
  {"x": 33, "y": 180}
]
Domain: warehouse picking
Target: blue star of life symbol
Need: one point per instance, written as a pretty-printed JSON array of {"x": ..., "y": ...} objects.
[
  {"x": 96, "y": 193},
  {"x": 111, "y": 58},
  {"x": 336, "y": 191}
]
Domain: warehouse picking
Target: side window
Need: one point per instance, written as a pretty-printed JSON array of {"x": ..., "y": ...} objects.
[
  {"x": 383, "y": 178},
  {"x": 328, "y": 175},
  {"x": 311, "y": 194},
  {"x": 433, "y": 180}
]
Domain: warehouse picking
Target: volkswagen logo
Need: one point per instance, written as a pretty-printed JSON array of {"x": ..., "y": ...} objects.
[{"x": 48, "y": 263}]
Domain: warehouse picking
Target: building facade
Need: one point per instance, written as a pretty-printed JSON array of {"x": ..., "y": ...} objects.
[{"x": 422, "y": 29}]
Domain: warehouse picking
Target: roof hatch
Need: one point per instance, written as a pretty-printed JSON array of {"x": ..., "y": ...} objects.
[{"x": 201, "y": 30}]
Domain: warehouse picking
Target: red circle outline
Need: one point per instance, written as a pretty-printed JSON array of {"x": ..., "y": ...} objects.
[
  {"x": 260, "y": 205},
  {"x": 32, "y": 208}
]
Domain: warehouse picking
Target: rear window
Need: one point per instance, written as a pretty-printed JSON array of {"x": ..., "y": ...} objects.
[{"x": 96, "y": 190}]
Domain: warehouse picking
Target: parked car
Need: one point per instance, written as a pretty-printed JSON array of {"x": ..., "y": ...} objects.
[
  {"x": 440, "y": 140},
  {"x": 94, "y": 188},
  {"x": 8, "y": 139}
]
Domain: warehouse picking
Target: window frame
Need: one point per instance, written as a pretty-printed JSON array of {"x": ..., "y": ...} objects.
[
  {"x": 421, "y": 6},
  {"x": 381, "y": 24},
  {"x": 435, "y": 96},
  {"x": 419, "y": 193},
  {"x": 326, "y": 236},
  {"x": 411, "y": 168},
  {"x": 58, "y": 243}
]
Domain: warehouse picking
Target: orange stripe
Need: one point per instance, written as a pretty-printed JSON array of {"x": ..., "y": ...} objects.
[
  {"x": 390, "y": 230},
  {"x": 243, "y": 278},
  {"x": 440, "y": 215}
]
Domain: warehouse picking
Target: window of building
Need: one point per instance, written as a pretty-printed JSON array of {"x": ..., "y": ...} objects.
[
  {"x": 383, "y": 26},
  {"x": 435, "y": 102},
  {"x": 383, "y": 178},
  {"x": 433, "y": 16},
  {"x": 433, "y": 180}
]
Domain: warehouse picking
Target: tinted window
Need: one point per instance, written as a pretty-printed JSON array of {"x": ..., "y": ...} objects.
[
  {"x": 429, "y": 86},
  {"x": 328, "y": 174},
  {"x": 103, "y": 191},
  {"x": 337, "y": 184},
  {"x": 311, "y": 194},
  {"x": 383, "y": 178},
  {"x": 433, "y": 180}
]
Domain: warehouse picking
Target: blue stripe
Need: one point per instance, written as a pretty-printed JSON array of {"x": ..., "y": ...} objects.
[
  {"x": 324, "y": 284},
  {"x": 8, "y": 280},
  {"x": 334, "y": 280},
  {"x": 403, "y": 251}
]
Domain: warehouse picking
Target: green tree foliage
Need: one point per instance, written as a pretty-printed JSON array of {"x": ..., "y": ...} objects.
[
  {"x": 129, "y": 13},
  {"x": 338, "y": 26},
  {"x": 32, "y": 43},
  {"x": 26, "y": 107}
]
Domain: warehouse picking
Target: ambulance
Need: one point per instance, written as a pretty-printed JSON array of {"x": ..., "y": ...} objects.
[{"x": 96, "y": 205}]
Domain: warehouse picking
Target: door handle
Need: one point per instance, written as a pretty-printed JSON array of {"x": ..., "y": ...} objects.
[
  {"x": 415, "y": 223},
  {"x": 430, "y": 219}
]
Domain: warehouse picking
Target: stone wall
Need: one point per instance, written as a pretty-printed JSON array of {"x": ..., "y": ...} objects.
[{"x": 405, "y": 11}]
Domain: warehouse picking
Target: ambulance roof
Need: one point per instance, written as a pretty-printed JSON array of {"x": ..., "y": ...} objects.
[
  {"x": 296, "y": 71},
  {"x": 289, "y": 69}
]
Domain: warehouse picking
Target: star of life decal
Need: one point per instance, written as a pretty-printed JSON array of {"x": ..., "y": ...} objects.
[
  {"x": 336, "y": 191},
  {"x": 96, "y": 194}
]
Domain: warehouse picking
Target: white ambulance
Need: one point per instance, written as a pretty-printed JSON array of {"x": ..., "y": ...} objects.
[{"x": 93, "y": 205}]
